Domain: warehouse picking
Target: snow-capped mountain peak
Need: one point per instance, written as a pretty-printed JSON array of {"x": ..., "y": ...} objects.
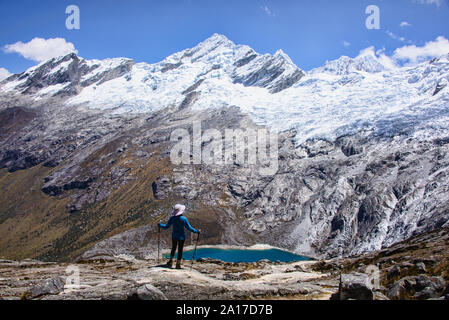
[
  {"x": 346, "y": 65},
  {"x": 216, "y": 40},
  {"x": 240, "y": 63},
  {"x": 282, "y": 55},
  {"x": 340, "y": 97},
  {"x": 66, "y": 76}
]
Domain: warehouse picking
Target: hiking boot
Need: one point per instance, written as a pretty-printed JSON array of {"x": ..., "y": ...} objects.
[
  {"x": 169, "y": 263},
  {"x": 178, "y": 264}
]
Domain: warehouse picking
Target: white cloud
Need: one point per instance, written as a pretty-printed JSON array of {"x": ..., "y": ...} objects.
[
  {"x": 370, "y": 51},
  {"x": 346, "y": 43},
  {"x": 267, "y": 11},
  {"x": 4, "y": 74},
  {"x": 40, "y": 49},
  {"x": 384, "y": 59},
  {"x": 404, "y": 24},
  {"x": 379, "y": 55},
  {"x": 409, "y": 55},
  {"x": 394, "y": 36},
  {"x": 413, "y": 54},
  {"x": 435, "y": 2}
]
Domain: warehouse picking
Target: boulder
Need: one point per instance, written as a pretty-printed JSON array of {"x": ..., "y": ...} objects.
[
  {"x": 355, "y": 286},
  {"x": 146, "y": 292},
  {"x": 421, "y": 287},
  {"x": 49, "y": 286}
]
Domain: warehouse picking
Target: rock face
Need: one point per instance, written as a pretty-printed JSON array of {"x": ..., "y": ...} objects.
[
  {"x": 70, "y": 73},
  {"x": 355, "y": 286},
  {"x": 162, "y": 188},
  {"x": 273, "y": 72}
]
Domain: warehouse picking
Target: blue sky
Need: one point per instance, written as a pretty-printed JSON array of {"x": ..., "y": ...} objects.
[{"x": 309, "y": 31}]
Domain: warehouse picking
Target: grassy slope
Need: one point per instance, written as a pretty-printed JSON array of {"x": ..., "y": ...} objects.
[
  {"x": 34, "y": 225},
  {"x": 29, "y": 219}
]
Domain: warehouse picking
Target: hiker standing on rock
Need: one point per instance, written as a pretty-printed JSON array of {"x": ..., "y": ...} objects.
[{"x": 179, "y": 222}]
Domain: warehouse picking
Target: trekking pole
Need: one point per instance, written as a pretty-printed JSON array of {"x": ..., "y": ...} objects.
[
  {"x": 158, "y": 242},
  {"x": 194, "y": 251}
]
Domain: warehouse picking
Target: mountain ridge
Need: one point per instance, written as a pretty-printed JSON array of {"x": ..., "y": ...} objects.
[{"x": 350, "y": 92}]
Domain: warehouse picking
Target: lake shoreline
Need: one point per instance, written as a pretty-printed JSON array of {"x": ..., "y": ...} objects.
[{"x": 252, "y": 249}]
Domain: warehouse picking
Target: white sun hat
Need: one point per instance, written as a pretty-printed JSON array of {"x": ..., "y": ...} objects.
[{"x": 178, "y": 210}]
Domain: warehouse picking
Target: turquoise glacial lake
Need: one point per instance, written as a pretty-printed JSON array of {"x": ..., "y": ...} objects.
[{"x": 242, "y": 255}]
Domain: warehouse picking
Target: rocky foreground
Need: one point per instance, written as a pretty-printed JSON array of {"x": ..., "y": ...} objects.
[
  {"x": 145, "y": 279},
  {"x": 414, "y": 269}
]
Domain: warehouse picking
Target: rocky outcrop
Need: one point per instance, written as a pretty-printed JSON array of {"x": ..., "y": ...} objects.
[
  {"x": 48, "y": 287},
  {"x": 189, "y": 100},
  {"x": 69, "y": 71},
  {"x": 170, "y": 66},
  {"x": 440, "y": 86},
  {"x": 275, "y": 73},
  {"x": 14, "y": 119},
  {"x": 111, "y": 73},
  {"x": 16, "y": 160},
  {"x": 421, "y": 287},
  {"x": 55, "y": 190},
  {"x": 162, "y": 188},
  {"x": 413, "y": 269},
  {"x": 43, "y": 75}
]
